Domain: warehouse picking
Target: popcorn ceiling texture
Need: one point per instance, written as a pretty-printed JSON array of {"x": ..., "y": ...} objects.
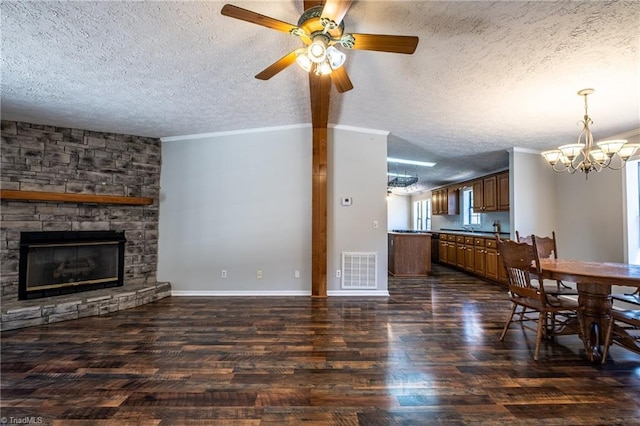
[{"x": 486, "y": 76}]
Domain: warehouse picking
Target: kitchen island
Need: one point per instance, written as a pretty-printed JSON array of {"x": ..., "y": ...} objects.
[{"x": 409, "y": 253}]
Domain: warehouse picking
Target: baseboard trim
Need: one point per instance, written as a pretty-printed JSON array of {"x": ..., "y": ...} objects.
[
  {"x": 235, "y": 293},
  {"x": 283, "y": 293},
  {"x": 359, "y": 293}
]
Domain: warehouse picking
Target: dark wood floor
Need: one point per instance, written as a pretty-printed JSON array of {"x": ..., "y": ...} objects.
[{"x": 429, "y": 354}]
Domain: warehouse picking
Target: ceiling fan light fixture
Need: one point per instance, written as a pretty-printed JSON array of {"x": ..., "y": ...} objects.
[
  {"x": 303, "y": 60},
  {"x": 323, "y": 68},
  {"x": 336, "y": 58},
  {"x": 317, "y": 50}
]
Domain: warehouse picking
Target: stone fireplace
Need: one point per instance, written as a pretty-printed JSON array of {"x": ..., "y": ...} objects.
[
  {"x": 62, "y": 262},
  {"x": 63, "y": 182}
]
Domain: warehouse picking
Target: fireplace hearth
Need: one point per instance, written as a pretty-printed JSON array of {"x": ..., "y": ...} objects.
[{"x": 62, "y": 262}]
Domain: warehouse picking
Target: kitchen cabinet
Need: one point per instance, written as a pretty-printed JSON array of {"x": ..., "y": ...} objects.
[
  {"x": 409, "y": 254},
  {"x": 469, "y": 254},
  {"x": 452, "y": 201},
  {"x": 442, "y": 249},
  {"x": 491, "y": 193},
  {"x": 460, "y": 251},
  {"x": 472, "y": 254},
  {"x": 444, "y": 201},
  {"x": 478, "y": 195},
  {"x": 451, "y": 250},
  {"x": 479, "y": 257},
  {"x": 436, "y": 202},
  {"x": 503, "y": 192},
  {"x": 491, "y": 260}
]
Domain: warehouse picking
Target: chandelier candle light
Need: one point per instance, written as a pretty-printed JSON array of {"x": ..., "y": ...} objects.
[{"x": 583, "y": 156}]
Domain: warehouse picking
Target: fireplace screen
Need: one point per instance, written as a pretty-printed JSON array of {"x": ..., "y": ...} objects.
[{"x": 53, "y": 263}]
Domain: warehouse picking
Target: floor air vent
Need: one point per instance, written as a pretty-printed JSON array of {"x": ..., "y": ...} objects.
[{"x": 359, "y": 271}]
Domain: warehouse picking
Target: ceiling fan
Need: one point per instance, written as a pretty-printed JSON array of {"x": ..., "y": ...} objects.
[{"x": 321, "y": 29}]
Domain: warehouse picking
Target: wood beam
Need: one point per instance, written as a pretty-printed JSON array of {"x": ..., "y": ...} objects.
[{"x": 320, "y": 87}]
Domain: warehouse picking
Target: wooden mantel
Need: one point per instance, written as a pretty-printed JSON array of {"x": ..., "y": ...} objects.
[{"x": 10, "y": 194}]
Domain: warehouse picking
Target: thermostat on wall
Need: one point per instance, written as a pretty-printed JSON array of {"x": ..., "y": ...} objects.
[{"x": 346, "y": 201}]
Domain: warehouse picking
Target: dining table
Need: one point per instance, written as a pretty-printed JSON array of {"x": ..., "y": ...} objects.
[{"x": 593, "y": 281}]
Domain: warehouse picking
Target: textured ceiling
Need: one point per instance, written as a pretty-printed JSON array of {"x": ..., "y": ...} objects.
[{"x": 486, "y": 76}]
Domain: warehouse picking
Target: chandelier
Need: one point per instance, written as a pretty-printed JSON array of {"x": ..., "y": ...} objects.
[
  {"x": 399, "y": 180},
  {"x": 583, "y": 156}
]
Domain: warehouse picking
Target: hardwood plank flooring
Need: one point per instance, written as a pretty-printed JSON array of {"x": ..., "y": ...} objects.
[{"x": 428, "y": 354}]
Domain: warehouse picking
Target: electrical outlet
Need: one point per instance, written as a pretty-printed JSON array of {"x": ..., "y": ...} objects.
[
  {"x": 259, "y": 274},
  {"x": 338, "y": 273},
  {"x": 223, "y": 273},
  {"x": 296, "y": 274}
]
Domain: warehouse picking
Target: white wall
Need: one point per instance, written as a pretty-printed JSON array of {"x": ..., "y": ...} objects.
[
  {"x": 357, "y": 170},
  {"x": 590, "y": 216},
  {"x": 241, "y": 201},
  {"x": 533, "y": 194},
  {"x": 632, "y": 213},
  {"x": 399, "y": 212}
]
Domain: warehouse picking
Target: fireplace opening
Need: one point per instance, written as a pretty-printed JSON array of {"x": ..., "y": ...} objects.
[{"x": 62, "y": 262}]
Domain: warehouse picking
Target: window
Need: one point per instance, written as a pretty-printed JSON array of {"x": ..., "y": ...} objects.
[
  {"x": 632, "y": 225},
  {"x": 417, "y": 215},
  {"x": 422, "y": 215},
  {"x": 468, "y": 216}
]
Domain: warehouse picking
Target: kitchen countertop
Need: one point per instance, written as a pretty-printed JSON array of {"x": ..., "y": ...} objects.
[
  {"x": 470, "y": 233},
  {"x": 408, "y": 232}
]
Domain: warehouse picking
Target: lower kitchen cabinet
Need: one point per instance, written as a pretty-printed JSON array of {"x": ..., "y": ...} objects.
[
  {"x": 491, "y": 262},
  {"x": 442, "y": 249},
  {"x": 471, "y": 254},
  {"x": 480, "y": 257}
]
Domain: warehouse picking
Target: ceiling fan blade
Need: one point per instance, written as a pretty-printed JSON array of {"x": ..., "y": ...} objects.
[
  {"x": 255, "y": 18},
  {"x": 336, "y": 9},
  {"x": 277, "y": 66},
  {"x": 308, "y": 4},
  {"x": 341, "y": 80},
  {"x": 385, "y": 43}
]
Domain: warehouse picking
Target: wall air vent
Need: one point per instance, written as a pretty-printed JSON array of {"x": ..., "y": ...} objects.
[{"x": 359, "y": 271}]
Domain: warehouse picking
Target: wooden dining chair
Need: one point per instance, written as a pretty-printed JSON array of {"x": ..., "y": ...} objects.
[
  {"x": 624, "y": 330},
  {"x": 521, "y": 261},
  {"x": 547, "y": 248},
  {"x": 632, "y": 298}
]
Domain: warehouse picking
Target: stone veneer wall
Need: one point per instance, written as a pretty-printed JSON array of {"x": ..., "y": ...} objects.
[{"x": 53, "y": 159}]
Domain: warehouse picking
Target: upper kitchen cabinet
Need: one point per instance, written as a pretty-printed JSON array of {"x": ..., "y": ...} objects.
[
  {"x": 491, "y": 193},
  {"x": 444, "y": 201},
  {"x": 503, "y": 192}
]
